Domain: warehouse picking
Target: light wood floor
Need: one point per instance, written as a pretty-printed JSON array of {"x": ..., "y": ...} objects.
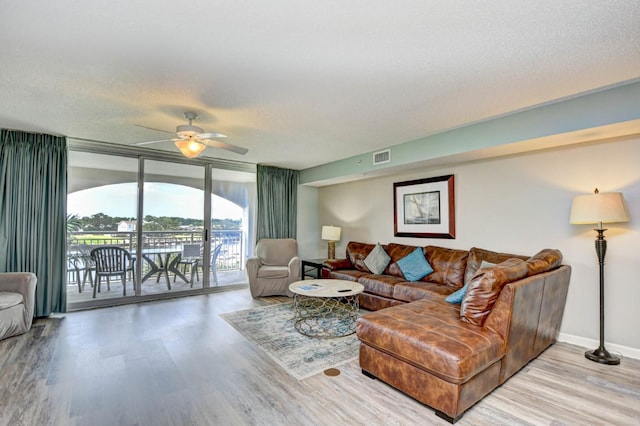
[{"x": 176, "y": 362}]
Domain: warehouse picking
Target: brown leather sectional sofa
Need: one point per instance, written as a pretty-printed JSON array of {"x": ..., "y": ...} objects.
[{"x": 449, "y": 356}]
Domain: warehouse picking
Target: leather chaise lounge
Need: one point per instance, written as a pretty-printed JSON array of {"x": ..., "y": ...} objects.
[{"x": 447, "y": 355}]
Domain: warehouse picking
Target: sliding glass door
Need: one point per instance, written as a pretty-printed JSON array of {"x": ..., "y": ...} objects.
[
  {"x": 101, "y": 212},
  {"x": 186, "y": 227},
  {"x": 173, "y": 227}
]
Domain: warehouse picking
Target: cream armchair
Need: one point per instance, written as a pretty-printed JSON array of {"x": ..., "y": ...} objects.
[
  {"x": 275, "y": 266},
  {"x": 17, "y": 300}
]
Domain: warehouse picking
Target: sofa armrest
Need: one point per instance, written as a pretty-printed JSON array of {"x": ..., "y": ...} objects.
[
  {"x": 528, "y": 315},
  {"x": 294, "y": 268},
  {"x": 335, "y": 264},
  {"x": 23, "y": 283},
  {"x": 253, "y": 264}
]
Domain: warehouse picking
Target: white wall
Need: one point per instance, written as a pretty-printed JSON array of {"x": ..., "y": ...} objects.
[{"x": 520, "y": 204}]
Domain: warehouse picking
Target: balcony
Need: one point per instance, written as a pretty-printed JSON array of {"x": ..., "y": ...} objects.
[{"x": 158, "y": 247}]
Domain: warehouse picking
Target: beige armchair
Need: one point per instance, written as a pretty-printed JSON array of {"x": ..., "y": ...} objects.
[
  {"x": 275, "y": 266},
  {"x": 17, "y": 300}
]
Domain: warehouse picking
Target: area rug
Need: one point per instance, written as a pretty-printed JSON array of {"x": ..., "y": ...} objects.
[{"x": 271, "y": 329}]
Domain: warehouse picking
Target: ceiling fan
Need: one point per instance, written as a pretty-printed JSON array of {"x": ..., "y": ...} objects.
[{"x": 192, "y": 140}]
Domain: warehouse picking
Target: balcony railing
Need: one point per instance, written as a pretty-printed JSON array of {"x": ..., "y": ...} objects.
[{"x": 229, "y": 259}]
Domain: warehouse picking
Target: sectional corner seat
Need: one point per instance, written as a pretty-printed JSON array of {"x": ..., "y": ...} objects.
[{"x": 445, "y": 355}]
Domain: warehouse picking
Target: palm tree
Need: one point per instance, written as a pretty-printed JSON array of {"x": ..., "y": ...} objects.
[{"x": 73, "y": 223}]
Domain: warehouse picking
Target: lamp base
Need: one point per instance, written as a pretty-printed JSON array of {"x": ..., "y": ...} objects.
[
  {"x": 602, "y": 356},
  {"x": 331, "y": 251}
]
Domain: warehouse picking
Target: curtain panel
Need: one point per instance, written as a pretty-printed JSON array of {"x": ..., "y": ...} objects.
[
  {"x": 33, "y": 180},
  {"x": 277, "y": 202}
]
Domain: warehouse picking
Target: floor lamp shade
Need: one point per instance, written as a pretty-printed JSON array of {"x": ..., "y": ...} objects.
[
  {"x": 600, "y": 208},
  {"x": 331, "y": 234}
]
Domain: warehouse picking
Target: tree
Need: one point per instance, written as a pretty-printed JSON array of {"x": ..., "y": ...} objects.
[{"x": 73, "y": 223}]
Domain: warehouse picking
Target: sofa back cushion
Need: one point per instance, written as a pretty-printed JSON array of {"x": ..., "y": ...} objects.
[
  {"x": 477, "y": 255},
  {"x": 448, "y": 266},
  {"x": 357, "y": 253},
  {"x": 543, "y": 261},
  {"x": 485, "y": 287},
  {"x": 276, "y": 251},
  {"x": 397, "y": 252}
]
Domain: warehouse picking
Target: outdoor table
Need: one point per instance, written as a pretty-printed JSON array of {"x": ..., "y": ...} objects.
[{"x": 161, "y": 262}]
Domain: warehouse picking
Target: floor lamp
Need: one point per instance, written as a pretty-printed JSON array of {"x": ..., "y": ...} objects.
[{"x": 600, "y": 208}]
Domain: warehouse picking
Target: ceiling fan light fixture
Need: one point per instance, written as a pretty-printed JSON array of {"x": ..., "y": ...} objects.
[
  {"x": 190, "y": 148},
  {"x": 187, "y": 130}
]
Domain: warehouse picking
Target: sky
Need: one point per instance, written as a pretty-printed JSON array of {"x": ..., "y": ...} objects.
[{"x": 161, "y": 199}]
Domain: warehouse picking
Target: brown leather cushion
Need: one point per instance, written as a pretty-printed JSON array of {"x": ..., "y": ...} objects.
[
  {"x": 477, "y": 255},
  {"x": 543, "y": 261},
  {"x": 448, "y": 266},
  {"x": 381, "y": 285},
  {"x": 429, "y": 335},
  {"x": 397, "y": 252},
  {"x": 410, "y": 291},
  {"x": 346, "y": 274},
  {"x": 357, "y": 253},
  {"x": 485, "y": 287}
]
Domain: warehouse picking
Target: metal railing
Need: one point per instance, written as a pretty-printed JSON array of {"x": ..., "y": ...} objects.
[{"x": 229, "y": 259}]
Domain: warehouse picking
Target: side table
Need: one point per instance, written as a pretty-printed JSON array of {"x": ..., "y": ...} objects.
[{"x": 312, "y": 268}]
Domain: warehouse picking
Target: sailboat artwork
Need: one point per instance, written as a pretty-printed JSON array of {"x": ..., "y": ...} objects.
[{"x": 422, "y": 208}]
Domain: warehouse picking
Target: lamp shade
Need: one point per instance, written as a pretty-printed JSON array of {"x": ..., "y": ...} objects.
[
  {"x": 190, "y": 148},
  {"x": 331, "y": 233},
  {"x": 599, "y": 208}
]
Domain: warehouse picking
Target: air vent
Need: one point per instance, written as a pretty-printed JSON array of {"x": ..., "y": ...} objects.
[{"x": 381, "y": 157}]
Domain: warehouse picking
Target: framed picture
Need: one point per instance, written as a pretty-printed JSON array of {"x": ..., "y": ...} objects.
[{"x": 424, "y": 208}]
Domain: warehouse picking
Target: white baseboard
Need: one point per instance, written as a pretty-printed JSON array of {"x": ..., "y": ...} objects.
[{"x": 625, "y": 351}]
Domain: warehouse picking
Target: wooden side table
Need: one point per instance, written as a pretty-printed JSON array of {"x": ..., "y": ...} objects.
[{"x": 312, "y": 268}]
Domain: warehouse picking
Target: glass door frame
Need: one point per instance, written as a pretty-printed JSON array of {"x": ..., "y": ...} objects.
[
  {"x": 142, "y": 154},
  {"x": 206, "y": 218}
]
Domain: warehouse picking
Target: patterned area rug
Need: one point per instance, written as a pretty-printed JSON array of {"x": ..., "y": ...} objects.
[{"x": 271, "y": 329}]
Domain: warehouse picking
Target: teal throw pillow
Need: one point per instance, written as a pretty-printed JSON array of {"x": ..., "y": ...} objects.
[
  {"x": 457, "y": 296},
  {"x": 414, "y": 266},
  {"x": 377, "y": 260}
]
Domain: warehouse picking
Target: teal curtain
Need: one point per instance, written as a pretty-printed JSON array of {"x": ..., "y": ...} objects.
[
  {"x": 277, "y": 202},
  {"x": 33, "y": 204}
]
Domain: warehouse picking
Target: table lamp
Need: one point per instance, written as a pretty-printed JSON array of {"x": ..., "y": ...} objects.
[
  {"x": 331, "y": 234},
  {"x": 600, "y": 208}
]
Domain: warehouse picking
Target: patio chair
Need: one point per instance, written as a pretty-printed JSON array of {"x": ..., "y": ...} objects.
[
  {"x": 197, "y": 264},
  {"x": 84, "y": 263},
  {"x": 78, "y": 265},
  {"x": 112, "y": 261},
  {"x": 214, "y": 262},
  {"x": 191, "y": 256}
]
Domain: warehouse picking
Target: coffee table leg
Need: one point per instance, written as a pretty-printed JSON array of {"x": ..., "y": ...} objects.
[{"x": 325, "y": 316}]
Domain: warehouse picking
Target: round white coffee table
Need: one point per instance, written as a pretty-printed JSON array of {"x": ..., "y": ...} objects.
[{"x": 326, "y": 308}]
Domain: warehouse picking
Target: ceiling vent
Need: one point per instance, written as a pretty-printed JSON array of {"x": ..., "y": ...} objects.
[{"x": 381, "y": 157}]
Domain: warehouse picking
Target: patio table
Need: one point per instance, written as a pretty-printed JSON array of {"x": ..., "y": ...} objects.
[{"x": 161, "y": 262}]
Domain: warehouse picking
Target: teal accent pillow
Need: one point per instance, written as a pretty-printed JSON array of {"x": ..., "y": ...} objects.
[
  {"x": 377, "y": 260},
  {"x": 457, "y": 296},
  {"x": 414, "y": 266}
]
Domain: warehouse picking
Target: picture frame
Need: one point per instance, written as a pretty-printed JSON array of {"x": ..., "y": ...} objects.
[{"x": 424, "y": 208}]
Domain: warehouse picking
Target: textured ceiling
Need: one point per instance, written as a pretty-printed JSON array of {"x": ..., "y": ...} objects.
[{"x": 301, "y": 83}]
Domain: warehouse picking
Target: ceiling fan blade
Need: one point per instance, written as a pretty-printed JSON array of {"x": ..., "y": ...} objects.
[
  {"x": 150, "y": 142},
  {"x": 226, "y": 146},
  {"x": 153, "y": 128},
  {"x": 211, "y": 135}
]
